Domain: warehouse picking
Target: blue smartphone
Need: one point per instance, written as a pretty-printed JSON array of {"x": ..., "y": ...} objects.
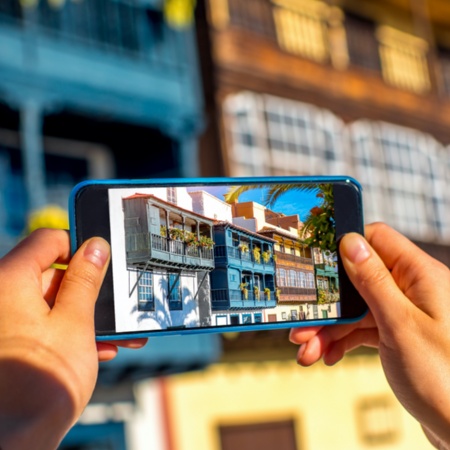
[{"x": 220, "y": 254}]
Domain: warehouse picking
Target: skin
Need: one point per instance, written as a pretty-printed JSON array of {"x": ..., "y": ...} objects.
[
  {"x": 48, "y": 354},
  {"x": 407, "y": 292}
]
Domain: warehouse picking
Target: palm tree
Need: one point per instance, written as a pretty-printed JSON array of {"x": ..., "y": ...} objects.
[{"x": 319, "y": 227}]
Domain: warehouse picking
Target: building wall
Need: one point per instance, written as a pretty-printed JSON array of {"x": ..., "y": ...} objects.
[{"x": 327, "y": 413}]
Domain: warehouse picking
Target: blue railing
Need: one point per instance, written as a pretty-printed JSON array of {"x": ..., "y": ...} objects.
[
  {"x": 224, "y": 251},
  {"x": 126, "y": 28}
]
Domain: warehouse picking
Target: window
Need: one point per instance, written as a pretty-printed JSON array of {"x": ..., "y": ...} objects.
[
  {"x": 174, "y": 291},
  {"x": 404, "y": 59},
  {"x": 301, "y": 29},
  {"x": 172, "y": 195},
  {"x": 378, "y": 421},
  {"x": 234, "y": 319},
  {"x": 257, "y": 317},
  {"x": 281, "y": 275},
  {"x": 310, "y": 280},
  {"x": 247, "y": 140},
  {"x": 292, "y": 278},
  {"x": 274, "y": 136},
  {"x": 263, "y": 436},
  {"x": 246, "y": 319},
  {"x": 311, "y": 29},
  {"x": 301, "y": 279},
  {"x": 399, "y": 164},
  {"x": 146, "y": 301}
]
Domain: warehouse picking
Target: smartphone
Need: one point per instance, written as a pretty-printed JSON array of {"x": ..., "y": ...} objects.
[{"x": 221, "y": 254}]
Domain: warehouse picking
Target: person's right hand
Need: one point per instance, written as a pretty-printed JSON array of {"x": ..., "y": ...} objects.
[{"x": 408, "y": 294}]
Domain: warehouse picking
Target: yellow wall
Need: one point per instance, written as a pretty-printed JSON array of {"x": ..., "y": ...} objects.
[{"x": 321, "y": 400}]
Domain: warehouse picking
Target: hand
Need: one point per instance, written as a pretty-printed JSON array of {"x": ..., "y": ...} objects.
[
  {"x": 48, "y": 354},
  {"x": 407, "y": 292}
]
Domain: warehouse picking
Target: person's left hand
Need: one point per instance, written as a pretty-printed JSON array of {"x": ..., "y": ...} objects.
[{"x": 48, "y": 353}]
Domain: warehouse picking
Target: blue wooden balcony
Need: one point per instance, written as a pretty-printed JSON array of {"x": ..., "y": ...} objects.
[
  {"x": 226, "y": 254},
  {"x": 147, "y": 249},
  {"x": 104, "y": 56},
  {"x": 235, "y": 299}
]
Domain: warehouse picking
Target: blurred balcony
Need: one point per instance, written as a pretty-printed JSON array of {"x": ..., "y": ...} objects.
[{"x": 116, "y": 57}]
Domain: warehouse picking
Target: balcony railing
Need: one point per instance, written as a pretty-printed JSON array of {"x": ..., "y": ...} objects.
[
  {"x": 223, "y": 251},
  {"x": 120, "y": 27},
  {"x": 152, "y": 249},
  {"x": 281, "y": 256},
  {"x": 235, "y": 298}
]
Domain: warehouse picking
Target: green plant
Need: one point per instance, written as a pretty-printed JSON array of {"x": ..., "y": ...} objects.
[
  {"x": 243, "y": 248},
  {"x": 176, "y": 234},
  {"x": 256, "y": 292},
  {"x": 206, "y": 242},
  {"x": 191, "y": 239},
  {"x": 244, "y": 290},
  {"x": 266, "y": 256},
  {"x": 163, "y": 231},
  {"x": 277, "y": 293},
  {"x": 257, "y": 254},
  {"x": 267, "y": 293}
]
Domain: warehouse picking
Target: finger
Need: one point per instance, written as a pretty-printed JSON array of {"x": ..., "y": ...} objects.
[
  {"x": 82, "y": 281},
  {"x": 40, "y": 250},
  {"x": 320, "y": 341},
  {"x": 106, "y": 351},
  {"x": 129, "y": 343},
  {"x": 51, "y": 280},
  {"x": 419, "y": 276},
  {"x": 368, "y": 337},
  {"x": 303, "y": 334},
  {"x": 373, "y": 280}
]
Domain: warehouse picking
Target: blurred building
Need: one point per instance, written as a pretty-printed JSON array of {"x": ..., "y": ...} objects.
[
  {"x": 113, "y": 88},
  {"x": 98, "y": 89},
  {"x": 93, "y": 89},
  {"x": 308, "y": 87}
]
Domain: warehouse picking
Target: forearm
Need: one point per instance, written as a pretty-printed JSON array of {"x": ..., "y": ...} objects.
[{"x": 36, "y": 411}]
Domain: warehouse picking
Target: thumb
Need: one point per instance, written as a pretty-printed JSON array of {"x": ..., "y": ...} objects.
[
  {"x": 373, "y": 280},
  {"x": 82, "y": 281}
]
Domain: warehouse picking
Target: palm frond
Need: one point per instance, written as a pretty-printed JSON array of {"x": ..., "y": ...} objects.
[
  {"x": 277, "y": 190},
  {"x": 235, "y": 192}
]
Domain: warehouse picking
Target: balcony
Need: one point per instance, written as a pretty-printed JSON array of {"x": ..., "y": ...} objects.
[
  {"x": 234, "y": 299},
  {"x": 145, "y": 250},
  {"x": 297, "y": 294},
  {"x": 227, "y": 254},
  {"x": 292, "y": 259},
  {"x": 108, "y": 56}
]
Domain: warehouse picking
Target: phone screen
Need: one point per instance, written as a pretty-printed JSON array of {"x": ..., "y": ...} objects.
[{"x": 205, "y": 256}]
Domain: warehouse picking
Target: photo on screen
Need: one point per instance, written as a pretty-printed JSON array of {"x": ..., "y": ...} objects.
[{"x": 217, "y": 256}]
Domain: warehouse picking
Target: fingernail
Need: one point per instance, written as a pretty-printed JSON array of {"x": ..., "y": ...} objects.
[
  {"x": 355, "y": 248},
  {"x": 97, "y": 252}
]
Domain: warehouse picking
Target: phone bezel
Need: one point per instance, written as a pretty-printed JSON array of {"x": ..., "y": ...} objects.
[{"x": 348, "y": 218}]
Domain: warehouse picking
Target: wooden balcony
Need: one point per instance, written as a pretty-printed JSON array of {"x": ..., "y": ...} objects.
[{"x": 145, "y": 250}]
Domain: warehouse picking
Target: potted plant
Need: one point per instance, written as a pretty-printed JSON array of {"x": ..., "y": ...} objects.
[
  {"x": 243, "y": 248},
  {"x": 277, "y": 293},
  {"x": 267, "y": 293},
  {"x": 206, "y": 242},
  {"x": 163, "y": 231},
  {"x": 266, "y": 256},
  {"x": 256, "y": 292},
  {"x": 244, "y": 290},
  {"x": 257, "y": 254},
  {"x": 191, "y": 239},
  {"x": 176, "y": 234}
]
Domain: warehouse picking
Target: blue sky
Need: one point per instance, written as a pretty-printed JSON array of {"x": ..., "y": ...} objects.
[{"x": 293, "y": 202}]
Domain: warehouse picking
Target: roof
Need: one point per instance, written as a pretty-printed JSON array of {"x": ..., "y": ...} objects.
[
  {"x": 243, "y": 230},
  {"x": 169, "y": 205}
]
